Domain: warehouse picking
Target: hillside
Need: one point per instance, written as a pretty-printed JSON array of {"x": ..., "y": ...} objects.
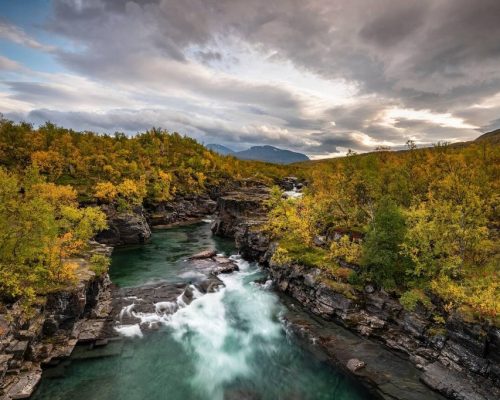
[{"x": 493, "y": 136}]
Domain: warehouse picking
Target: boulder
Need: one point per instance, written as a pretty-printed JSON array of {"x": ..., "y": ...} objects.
[
  {"x": 203, "y": 255},
  {"x": 124, "y": 228},
  {"x": 354, "y": 364}
]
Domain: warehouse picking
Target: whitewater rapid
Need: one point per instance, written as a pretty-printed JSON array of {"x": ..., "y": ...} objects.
[{"x": 222, "y": 331}]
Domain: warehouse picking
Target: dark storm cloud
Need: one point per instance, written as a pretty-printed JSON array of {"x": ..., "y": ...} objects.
[{"x": 396, "y": 24}]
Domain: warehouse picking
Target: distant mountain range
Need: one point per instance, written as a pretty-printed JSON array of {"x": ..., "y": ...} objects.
[{"x": 261, "y": 153}]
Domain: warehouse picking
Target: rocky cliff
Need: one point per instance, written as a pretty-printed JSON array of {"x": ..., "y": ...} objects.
[
  {"x": 181, "y": 209},
  {"x": 50, "y": 332},
  {"x": 458, "y": 359},
  {"x": 240, "y": 215},
  {"x": 134, "y": 226}
]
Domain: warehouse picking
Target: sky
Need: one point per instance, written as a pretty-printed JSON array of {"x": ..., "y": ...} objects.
[{"x": 314, "y": 76}]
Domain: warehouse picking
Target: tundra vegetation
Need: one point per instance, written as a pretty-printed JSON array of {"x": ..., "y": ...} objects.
[{"x": 421, "y": 223}]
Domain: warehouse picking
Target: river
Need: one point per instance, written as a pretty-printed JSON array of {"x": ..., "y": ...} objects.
[{"x": 230, "y": 344}]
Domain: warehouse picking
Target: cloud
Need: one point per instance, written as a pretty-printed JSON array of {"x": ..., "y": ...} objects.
[
  {"x": 315, "y": 76},
  {"x": 17, "y": 35},
  {"x": 6, "y": 64}
]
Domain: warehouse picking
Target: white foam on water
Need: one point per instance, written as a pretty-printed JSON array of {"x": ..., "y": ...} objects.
[
  {"x": 129, "y": 330},
  {"x": 192, "y": 275},
  {"x": 166, "y": 307},
  {"x": 127, "y": 310},
  {"x": 267, "y": 285},
  {"x": 293, "y": 194},
  {"x": 223, "y": 330}
]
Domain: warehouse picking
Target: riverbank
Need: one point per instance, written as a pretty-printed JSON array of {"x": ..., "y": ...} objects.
[{"x": 458, "y": 359}]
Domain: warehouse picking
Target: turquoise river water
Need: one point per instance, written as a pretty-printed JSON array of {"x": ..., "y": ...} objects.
[{"x": 227, "y": 345}]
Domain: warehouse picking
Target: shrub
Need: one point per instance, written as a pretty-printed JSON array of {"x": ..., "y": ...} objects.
[
  {"x": 99, "y": 264},
  {"x": 411, "y": 298}
]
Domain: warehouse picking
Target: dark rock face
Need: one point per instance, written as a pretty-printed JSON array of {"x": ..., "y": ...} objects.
[
  {"x": 124, "y": 228},
  {"x": 51, "y": 333},
  {"x": 181, "y": 209},
  {"x": 387, "y": 375},
  {"x": 240, "y": 215},
  {"x": 133, "y": 227}
]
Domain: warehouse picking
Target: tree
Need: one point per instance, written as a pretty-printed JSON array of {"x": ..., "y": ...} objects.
[
  {"x": 382, "y": 257},
  {"x": 105, "y": 192},
  {"x": 41, "y": 228}
]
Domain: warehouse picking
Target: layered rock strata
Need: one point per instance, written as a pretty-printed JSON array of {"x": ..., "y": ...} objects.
[{"x": 50, "y": 332}]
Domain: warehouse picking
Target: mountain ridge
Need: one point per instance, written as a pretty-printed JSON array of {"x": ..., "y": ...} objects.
[{"x": 264, "y": 153}]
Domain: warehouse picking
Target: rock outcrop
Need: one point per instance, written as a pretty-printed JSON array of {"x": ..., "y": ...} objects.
[
  {"x": 133, "y": 226},
  {"x": 386, "y": 374},
  {"x": 143, "y": 308},
  {"x": 51, "y": 331},
  {"x": 240, "y": 215},
  {"x": 181, "y": 209},
  {"x": 128, "y": 227}
]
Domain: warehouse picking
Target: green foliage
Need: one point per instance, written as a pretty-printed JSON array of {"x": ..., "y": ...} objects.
[
  {"x": 382, "y": 257},
  {"x": 99, "y": 264},
  {"x": 411, "y": 298},
  {"x": 355, "y": 279},
  {"x": 424, "y": 220},
  {"x": 153, "y": 166},
  {"x": 340, "y": 287},
  {"x": 308, "y": 256},
  {"x": 346, "y": 249}
]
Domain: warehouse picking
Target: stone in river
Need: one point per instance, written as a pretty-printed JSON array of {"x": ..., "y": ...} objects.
[
  {"x": 203, "y": 254},
  {"x": 354, "y": 364}
]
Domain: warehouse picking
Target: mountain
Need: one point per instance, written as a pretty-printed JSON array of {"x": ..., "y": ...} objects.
[
  {"x": 260, "y": 153},
  {"x": 271, "y": 154},
  {"x": 218, "y": 148}
]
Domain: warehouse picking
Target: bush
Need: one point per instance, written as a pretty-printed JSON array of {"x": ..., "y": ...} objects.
[
  {"x": 99, "y": 264},
  {"x": 382, "y": 256},
  {"x": 411, "y": 298}
]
